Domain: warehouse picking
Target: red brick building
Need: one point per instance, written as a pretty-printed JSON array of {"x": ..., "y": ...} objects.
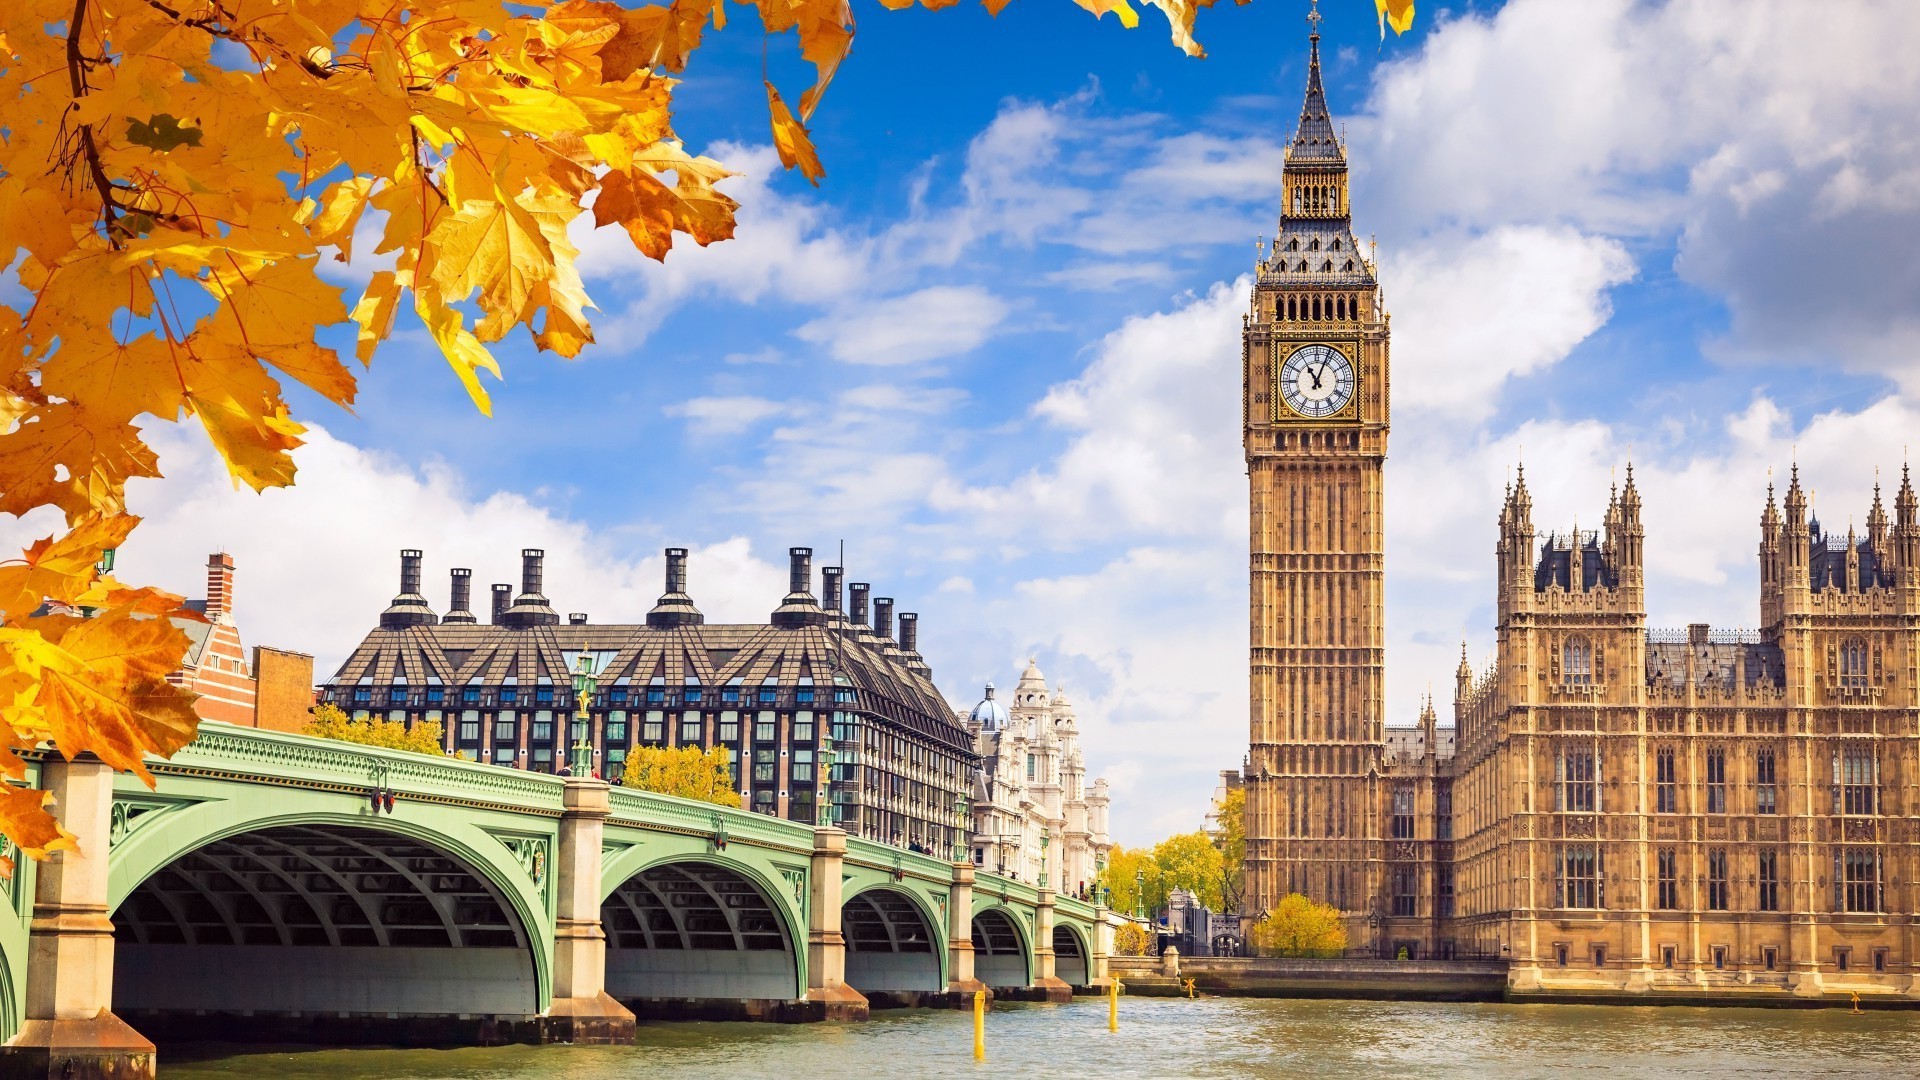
[{"x": 272, "y": 688}]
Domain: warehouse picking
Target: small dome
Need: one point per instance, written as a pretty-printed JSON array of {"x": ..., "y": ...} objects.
[
  {"x": 1031, "y": 679},
  {"x": 990, "y": 715}
]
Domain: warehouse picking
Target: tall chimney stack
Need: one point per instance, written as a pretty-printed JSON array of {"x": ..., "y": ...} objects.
[
  {"x": 462, "y": 596},
  {"x": 909, "y": 632},
  {"x": 502, "y": 599},
  {"x": 798, "y": 609},
  {"x": 530, "y": 608},
  {"x": 883, "y": 618},
  {"x": 830, "y": 588},
  {"x": 219, "y": 587},
  {"x": 409, "y": 608},
  {"x": 675, "y": 607},
  {"x": 857, "y": 598}
]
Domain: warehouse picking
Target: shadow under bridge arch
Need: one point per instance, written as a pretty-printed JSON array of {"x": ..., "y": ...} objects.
[
  {"x": 1069, "y": 956},
  {"x": 893, "y": 954},
  {"x": 1000, "y": 956},
  {"x": 697, "y": 930},
  {"x": 304, "y": 928}
]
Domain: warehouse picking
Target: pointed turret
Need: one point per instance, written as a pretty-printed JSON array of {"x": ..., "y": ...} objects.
[
  {"x": 1906, "y": 525},
  {"x": 1877, "y": 533},
  {"x": 1315, "y": 140}
]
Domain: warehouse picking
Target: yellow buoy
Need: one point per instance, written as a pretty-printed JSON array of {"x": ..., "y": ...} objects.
[{"x": 979, "y": 1025}]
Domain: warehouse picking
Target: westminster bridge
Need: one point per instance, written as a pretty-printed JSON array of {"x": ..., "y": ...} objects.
[{"x": 276, "y": 887}]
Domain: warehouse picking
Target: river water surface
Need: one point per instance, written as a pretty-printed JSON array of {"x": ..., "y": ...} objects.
[{"x": 1209, "y": 1037}]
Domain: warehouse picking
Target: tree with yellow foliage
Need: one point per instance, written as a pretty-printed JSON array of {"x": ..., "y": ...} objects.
[
  {"x": 1300, "y": 927},
  {"x": 686, "y": 771},
  {"x": 329, "y": 722},
  {"x": 1131, "y": 939},
  {"x": 174, "y": 173}
]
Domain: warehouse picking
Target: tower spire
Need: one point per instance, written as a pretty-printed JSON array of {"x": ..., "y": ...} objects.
[{"x": 1315, "y": 140}]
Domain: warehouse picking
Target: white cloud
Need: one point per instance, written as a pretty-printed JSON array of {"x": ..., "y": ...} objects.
[
  {"x": 316, "y": 563},
  {"x": 1472, "y": 311},
  {"x": 930, "y": 324},
  {"x": 710, "y": 416},
  {"x": 1792, "y": 184},
  {"x": 1155, "y": 438}
]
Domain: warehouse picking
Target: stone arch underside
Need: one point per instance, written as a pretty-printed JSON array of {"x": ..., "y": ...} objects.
[
  {"x": 322, "y": 919},
  {"x": 696, "y": 930},
  {"x": 890, "y": 946},
  {"x": 999, "y": 953},
  {"x": 1069, "y": 957}
]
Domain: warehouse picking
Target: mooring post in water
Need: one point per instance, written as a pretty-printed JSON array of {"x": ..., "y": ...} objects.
[
  {"x": 1190, "y": 991},
  {"x": 979, "y": 1025},
  {"x": 1113, "y": 1004}
]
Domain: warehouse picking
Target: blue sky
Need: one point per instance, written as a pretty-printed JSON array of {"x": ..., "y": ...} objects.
[{"x": 996, "y": 351}]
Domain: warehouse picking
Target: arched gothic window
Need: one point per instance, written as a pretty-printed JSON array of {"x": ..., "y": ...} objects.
[
  {"x": 1302, "y": 267},
  {"x": 1340, "y": 308},
  {"x": 1576, "y": 661},
  {"x": 1336, "y": 244},
  {"x": 1349, "y": 266},
  {"x": 1853, "y": 662},
  {"x": 1313, "y": 245},
  {"x": 1293, "y": 244},
  {"x": 1326, "y": 267}
]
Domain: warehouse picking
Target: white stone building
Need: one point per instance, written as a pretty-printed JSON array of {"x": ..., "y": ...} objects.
[{"x": 1034, "y": 815}]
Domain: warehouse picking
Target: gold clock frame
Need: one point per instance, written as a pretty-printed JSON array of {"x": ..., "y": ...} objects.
[{"x": 1282, "y": 348}]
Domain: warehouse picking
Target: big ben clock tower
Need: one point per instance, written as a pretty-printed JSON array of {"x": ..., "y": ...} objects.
[{"x": 1315, "y": 422}]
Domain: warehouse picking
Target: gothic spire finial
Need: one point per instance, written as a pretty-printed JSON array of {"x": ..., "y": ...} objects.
[{"x": 1313, "y": 18}]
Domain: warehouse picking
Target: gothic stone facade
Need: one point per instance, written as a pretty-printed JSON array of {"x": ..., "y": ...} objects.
[
  {"x": 1616, "y": 809},
  {"x": 1315, "y": 427}
]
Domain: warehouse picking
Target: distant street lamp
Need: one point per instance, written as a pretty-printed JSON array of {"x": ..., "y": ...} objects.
[
  {"x": 585, "y": 685},
  {"x": 825, "y": 815}
]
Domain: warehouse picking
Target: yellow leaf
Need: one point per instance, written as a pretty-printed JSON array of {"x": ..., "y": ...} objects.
[
  {"x": 496, "y": 247},
  {"x": 24, "y": 820},
  {"x": 103, "y": 685},
  {"x": 240, "y": 407},
  {"x": 650, "y": 211},
  {"x": 1395, "y": 13},
  {"x": 375, "y": 312},
  {"x": 461, "y": 348},
  {"x": 335, "y": 223},
  {"x": 32, "y": 218},
  {"x": 97, "y": 456},
  {"x": 791, "y": 141},
  {"x": 116, "y": 382}
]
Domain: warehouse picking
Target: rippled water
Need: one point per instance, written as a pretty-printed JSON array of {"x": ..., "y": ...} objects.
[{"x": 1210, "y": 1037}]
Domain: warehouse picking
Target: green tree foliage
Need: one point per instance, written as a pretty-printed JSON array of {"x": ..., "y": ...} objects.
[
  {"x": 1298, "y": 927},
  {"x": 684, "y": 771},
  {"x": 1232, "y": 841},
  {"x": 330, "y": 723}
]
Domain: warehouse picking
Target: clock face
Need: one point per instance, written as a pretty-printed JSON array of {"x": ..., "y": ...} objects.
[{"x": 1316, "y": 381}]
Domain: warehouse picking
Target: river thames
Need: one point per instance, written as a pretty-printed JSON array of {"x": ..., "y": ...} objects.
[{"x": 1210, "y": 1037}]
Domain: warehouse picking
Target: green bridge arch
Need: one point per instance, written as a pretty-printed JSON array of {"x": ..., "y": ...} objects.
[{"x": 237, "y": 790}]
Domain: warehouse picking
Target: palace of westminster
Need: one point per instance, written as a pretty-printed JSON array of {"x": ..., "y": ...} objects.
[{"x": 1616, "y": 808}]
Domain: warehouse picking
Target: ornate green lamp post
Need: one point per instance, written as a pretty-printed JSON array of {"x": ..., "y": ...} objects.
[
  {"x": 960, "y": 830},
  {"x": 824, "y": 812},
  {"x": 1045, "y": 881},
  {"x": 1139, "y": 894},
  {"x": 585, "y": 685}
]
